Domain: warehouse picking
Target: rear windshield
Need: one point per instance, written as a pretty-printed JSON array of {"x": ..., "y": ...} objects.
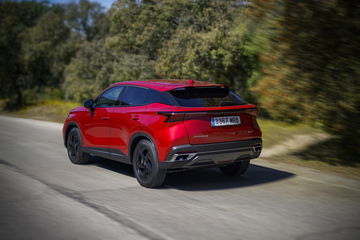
[{"x": 206, "y": 97}]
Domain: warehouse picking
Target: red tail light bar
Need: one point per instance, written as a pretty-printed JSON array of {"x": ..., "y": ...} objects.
[
  {"x": 186, "y": 115},
  {"x": 173, "y": 116}
]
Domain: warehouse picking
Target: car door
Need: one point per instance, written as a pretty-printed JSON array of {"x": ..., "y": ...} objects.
[
  {"x": 128, "y": 117},
  {"x": 96, "y": 126}
]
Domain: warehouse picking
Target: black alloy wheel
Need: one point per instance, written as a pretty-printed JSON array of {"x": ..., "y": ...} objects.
[
  {"x": 146, "y": 165},
  {"x": 74, "y": 148}
]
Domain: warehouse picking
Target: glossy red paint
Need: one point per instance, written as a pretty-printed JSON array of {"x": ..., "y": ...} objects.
[{"x": 115, "y": 127}]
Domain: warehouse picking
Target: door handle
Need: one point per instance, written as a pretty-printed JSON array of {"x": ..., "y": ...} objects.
[
  {"x": 105, "y": 117},
  {"x": 135, "y": 117}
]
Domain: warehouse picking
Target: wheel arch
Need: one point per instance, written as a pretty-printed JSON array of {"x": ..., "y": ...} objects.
[
  {"x": 70, "y": 126},
  {"x": 135, "y": 139}
]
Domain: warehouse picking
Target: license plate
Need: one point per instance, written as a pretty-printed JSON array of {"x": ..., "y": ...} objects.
[{"x": 225, "y": 121}]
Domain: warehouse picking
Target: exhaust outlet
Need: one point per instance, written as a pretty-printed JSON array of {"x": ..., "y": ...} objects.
[
  {"x": 257, "y": 149},
  {"x": 182, "y": 157}
]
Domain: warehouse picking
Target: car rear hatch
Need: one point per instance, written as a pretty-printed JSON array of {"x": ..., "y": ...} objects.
[{"x": 212, "y": 115}]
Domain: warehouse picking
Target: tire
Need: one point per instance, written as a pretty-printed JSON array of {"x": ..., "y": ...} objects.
[
  {"x": 74, "y": 148},
  {"x": 146, "y": 165},
  {"x": 234, "y": 169}
]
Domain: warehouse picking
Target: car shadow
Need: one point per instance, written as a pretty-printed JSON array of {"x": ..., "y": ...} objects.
[
  {"x": 204, "y": 179},
  {"x": 111, "y": 165},
  {"x": 212, "y": 179}
]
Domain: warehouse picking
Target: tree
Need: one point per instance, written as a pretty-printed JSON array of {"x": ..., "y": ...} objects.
[
  {"x": 209, "y": 44},
  {"x": 88, "y": 19},
  {"x": 15, "y": 17},
  {"x": 203, "y": 39},
  {"x": 45, "y": 50},
  {"x": 141, "y": 27},
  {"x": 95, "y": 67},
  {"x": 38, "y": 40},
  {"x": 314, "y": 75}
]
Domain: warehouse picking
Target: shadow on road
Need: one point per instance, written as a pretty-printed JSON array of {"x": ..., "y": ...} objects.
[
  {"x": 204, "y": 179},
  {"x": 213, "y": 179},
  {"x": 114, "y": 166}
]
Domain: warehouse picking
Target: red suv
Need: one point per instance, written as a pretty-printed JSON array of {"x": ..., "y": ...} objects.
[{"x": 161, "y": 126}]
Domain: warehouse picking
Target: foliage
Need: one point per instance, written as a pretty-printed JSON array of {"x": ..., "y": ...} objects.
[
  {"x": 95, "y": 67},
  {"x": 141, "y": 27},
  {"x": 87, "y": 19},
  {"x": 315, "y": 68},
  {"x": 215, "y": 55},
  {"x": 44, "y": 51},
  {"x": 204, "y": 39},
  {"x": 15, "y": 18},
  {"x": 38, "y": 41}
]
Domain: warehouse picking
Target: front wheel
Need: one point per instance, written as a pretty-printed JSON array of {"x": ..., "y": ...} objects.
[
  {"x": 74, "y": 148},
  {"x": 237, "y": 168},
  {"x": 146, "y": 165}
]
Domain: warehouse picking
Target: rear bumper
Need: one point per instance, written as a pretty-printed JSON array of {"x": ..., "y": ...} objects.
[{"x": 214, "y": 154}]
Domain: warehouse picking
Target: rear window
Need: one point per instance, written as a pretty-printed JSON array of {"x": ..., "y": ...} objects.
[{"x": 206, "y": 97}]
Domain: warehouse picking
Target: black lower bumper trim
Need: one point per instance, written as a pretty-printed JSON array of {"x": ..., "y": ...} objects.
[{"x": 214, "y": 154}]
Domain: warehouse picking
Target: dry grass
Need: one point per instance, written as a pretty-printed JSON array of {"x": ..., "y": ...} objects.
[
  {"x": 275, "y": 132},
  {"x": 352, "y": 171},
  {"x": 54, "y": 111}
]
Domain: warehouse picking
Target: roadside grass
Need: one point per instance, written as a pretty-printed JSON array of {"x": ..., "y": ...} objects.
[
  {"x": 352, "y": 171},
  {"x": 51, "y": 110},
  {"x": 327, "y": 156},
  {"x": 324, "y": 155},
  {"x": 331, "y": 151},
  {"x": 275, "y": 132}
]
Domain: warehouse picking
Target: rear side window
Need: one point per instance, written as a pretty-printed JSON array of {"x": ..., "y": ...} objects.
[
  {"x": 134, "y": 96},
  {"x": 154, "y": 96},
  {"x": 206, "y": 97}
]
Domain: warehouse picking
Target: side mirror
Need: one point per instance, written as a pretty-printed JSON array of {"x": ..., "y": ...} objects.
[{"x": 89, "y": 104}]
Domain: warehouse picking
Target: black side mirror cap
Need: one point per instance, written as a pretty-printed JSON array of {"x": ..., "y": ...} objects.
[{"x": 89, "y": 104}]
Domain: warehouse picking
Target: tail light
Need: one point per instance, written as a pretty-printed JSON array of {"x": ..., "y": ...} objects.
[
  {"x": 181, "y": 116},
  {"x": 172, "y": 116},
  {"x": 251, "y": 111}
]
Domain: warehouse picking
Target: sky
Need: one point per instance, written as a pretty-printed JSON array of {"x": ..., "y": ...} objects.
[{"x": 105, "y": 3}]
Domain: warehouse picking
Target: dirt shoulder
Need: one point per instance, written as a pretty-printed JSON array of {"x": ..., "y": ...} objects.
[{"x": 291, "y": 152}]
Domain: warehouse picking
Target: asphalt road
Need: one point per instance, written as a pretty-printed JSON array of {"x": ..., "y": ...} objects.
[{"x": 44, "y": 196}]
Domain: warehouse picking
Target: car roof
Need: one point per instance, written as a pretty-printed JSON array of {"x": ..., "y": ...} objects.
[{"x": 168, "y": 84}]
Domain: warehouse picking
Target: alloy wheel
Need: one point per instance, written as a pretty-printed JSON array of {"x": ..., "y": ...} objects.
[{"x": 143, "y": 164}]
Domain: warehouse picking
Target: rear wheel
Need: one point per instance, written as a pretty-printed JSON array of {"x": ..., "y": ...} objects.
[
  {"x": 237, "y": 168},
  {"x": 74, "y": 148},
  {"x": 146, "y": 165}
]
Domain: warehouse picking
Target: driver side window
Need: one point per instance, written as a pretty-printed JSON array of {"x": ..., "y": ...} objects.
[{"x": 110, "y": 98}]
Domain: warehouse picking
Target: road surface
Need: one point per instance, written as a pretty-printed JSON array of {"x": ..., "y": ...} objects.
[{"x": 44, "y": 196}]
